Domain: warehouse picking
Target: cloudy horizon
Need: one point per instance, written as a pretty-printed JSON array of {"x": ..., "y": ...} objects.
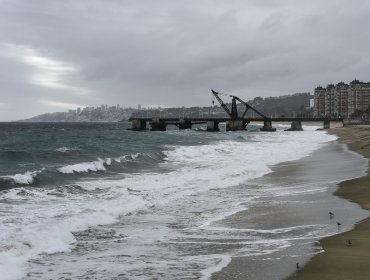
[{"x": 59, "y": 55}]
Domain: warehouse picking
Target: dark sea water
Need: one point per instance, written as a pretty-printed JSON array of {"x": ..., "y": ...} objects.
[
  {"x": 35, "y": 152},
  {"x": 96, "y": 201}
]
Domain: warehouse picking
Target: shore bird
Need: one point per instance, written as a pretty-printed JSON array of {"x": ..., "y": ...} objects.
[
  {"x": 297, "y": 266},
  {"x": 339, "y": 224},
  {"x": 331, "y": 215}
]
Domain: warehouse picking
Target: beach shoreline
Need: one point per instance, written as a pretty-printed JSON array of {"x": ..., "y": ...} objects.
[
  {"x": 346, "y": 255},
  {"x": 313, "y": 173}
]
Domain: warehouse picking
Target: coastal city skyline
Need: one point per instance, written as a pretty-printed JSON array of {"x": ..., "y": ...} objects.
[{"x": 57, "y": 55}]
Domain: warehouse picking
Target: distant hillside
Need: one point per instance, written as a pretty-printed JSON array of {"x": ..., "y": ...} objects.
[
  {"x": 282, "y": 106},
  {"x": 88, "y": 114},
  {"x": 287, "y": 105}
]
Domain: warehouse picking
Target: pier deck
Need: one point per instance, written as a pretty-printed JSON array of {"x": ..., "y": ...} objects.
[{"x": 159, "y": 124}]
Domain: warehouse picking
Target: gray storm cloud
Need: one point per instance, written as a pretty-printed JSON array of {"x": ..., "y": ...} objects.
[{"x": 56, "y": 55}]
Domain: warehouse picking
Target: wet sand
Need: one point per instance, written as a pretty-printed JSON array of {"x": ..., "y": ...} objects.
[
  {"x": 305, "y": 208},
  {"x": 341, "y": 261}
]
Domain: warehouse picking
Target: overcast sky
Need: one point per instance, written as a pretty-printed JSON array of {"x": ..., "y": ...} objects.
[{"x": 57, "y": 55}]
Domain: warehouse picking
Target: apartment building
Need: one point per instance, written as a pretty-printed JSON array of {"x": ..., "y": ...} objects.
[
  {"x": 341, "y": 100},
  {"x": 319, "y": 101}
]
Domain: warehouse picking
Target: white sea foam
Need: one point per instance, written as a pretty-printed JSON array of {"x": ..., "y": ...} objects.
[
  {"x": 219, "y": 263},
  {"x": 127, "y": 157},
  {"x": 97, "y": 165},
  {"x": 66, "y": 149},
  {"x": 26, "y": 178},
  {"x": 46, "y": 222},
  {"x": 50, "y": 231}
]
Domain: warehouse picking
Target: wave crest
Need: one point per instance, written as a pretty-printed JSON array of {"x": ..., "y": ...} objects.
[
  {"x": 98, "y": 165},
  {"x": 26, "y": 178}
]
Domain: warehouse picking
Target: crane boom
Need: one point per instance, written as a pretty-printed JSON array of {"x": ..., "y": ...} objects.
[
  {"x": 223, "y": 105},
  {"x": 233, "y": 114},
  {"x": 249, "y": 107}
]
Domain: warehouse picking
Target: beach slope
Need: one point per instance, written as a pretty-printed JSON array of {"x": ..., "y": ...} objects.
[{"x": 343, "y": 259}]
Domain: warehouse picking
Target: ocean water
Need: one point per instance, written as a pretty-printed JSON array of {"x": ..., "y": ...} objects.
[{"x": 95, "y": 201}]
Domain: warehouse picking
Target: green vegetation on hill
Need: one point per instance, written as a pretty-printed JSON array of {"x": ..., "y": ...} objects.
[{"x": 284, "y": 106}]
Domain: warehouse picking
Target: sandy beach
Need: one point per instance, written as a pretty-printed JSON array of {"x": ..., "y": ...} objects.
[
  {"x": 309, "y": 184},
  {"x": 341, "y": 260}
]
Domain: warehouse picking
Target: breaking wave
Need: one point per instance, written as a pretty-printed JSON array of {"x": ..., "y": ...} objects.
[
  {"x": 41, "y": 220},
  {"x": 26, "y": 178},
  {"x": 127, "y": 157},
  {"x": 98, "y": 165},
  {"x": 51, "y": 230}
]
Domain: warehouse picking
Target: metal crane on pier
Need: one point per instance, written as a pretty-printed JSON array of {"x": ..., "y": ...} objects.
[{"x": 233, "y": 113}]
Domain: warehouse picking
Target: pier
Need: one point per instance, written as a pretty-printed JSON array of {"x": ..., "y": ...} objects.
[
  {"x": 234, "y": 122},
  {"x": 160, "y": 124}
]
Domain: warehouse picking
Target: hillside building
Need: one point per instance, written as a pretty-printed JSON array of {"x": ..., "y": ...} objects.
[
  {"x": 342, "y": 100},
  {"x": 319, "y": 101}
]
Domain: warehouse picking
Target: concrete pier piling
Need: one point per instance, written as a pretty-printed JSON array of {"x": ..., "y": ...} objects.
[
  {"x": 267, "y": 126},
  {"x": 235, "y": 125},
  {"x": 138, "y": 125},
  {"x": 326, "y": 124},
  {"x": 157, "y": 125},
  {"x": 212, "y": 126},
  {"x": 295, "y": 126},
  {"x": 184, "y": 124}
]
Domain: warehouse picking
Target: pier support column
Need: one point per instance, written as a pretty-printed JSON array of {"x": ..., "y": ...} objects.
[
  {"x": 212, "y": 126},
  {"x": 234, "y": 125},
  {"x": 138, "y": 125},
  {"x": 295, "y": 126},
  {"x": 157, "y": 125},
  {"x": 267, "y": 126},
  {"x": 326, "y": 124},
  {"x": 184, "y": 124}
]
